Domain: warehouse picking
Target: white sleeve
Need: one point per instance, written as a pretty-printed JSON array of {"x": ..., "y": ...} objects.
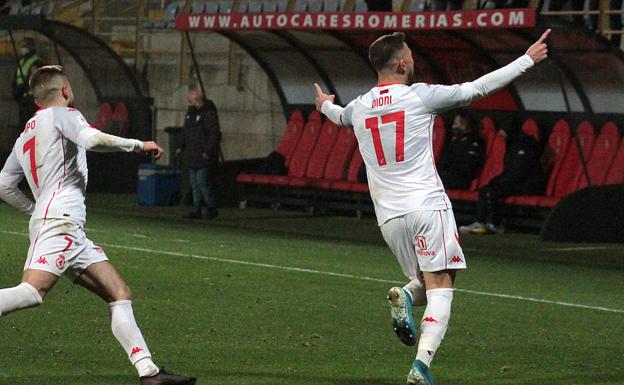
[
  {"x": 75, "y": 127},
  {"x": 10, "y": 176},
  {"x": 338, "y": 115},
  {"x": 94, "y": 140},
  {"x": 438, "y": 98}
]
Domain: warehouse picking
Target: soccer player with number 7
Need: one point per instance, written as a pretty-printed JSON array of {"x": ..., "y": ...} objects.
[
  {"x": 51, "y": 155},
  {"x": 393, "y": 124}
]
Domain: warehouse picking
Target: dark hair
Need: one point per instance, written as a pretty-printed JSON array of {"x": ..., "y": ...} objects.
[
  {"x": 383, "y": 50},
  {"x": 466, "y": 117},
  {"x": 41, "y": 82}
]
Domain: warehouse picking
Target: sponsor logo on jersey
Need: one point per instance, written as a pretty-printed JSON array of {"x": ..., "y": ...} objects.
[
  {"x": 42, "y": 261},
  {"x": 421, "y": 247},
  {"x": 430, "y": 320},
  {"x": 60, "y": 262},
  {"x": 135, "y": 350},
  {"x": 456, "y": 259}
]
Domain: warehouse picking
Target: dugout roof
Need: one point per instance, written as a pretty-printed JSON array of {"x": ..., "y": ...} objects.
[{"x": 586, "y": 66}]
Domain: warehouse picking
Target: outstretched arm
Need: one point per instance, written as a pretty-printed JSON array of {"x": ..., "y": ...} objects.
[
  {"x": 95, "y": 140},
  {"x": 439, "y": 98},
  {"x": 325, "y": 104},
  {"x": 10, "y": 176}
]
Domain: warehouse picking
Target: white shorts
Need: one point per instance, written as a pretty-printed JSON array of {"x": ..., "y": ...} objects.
[
  {"x": 61, "y": 247},
  {"x": 424, "y": 240}
]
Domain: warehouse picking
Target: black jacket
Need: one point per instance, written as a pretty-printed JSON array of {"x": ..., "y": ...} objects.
[
  {"x": 522, "y": 174},
  {"x": 201, "y": 135},
  {"x": 462, "y": 160}
]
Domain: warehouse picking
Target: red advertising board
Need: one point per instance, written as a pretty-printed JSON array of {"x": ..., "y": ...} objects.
[{"x": 389, "y": 21}]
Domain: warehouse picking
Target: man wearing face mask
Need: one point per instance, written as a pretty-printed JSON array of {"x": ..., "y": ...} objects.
[
  {"x": 29, "y": 62},
  {"x": 200, "y": 141},
  {"x": 463, "y": 157},
  {"x": 522, "y": 175}
]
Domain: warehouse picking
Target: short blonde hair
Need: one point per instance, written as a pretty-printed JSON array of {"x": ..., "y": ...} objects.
[{"x": 47, "y": 81}]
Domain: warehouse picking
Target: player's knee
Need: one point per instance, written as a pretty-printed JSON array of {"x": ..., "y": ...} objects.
[{"x": 121, "y": 293}]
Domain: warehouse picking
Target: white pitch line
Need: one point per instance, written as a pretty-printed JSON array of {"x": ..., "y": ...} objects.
[
  {"x": 578, "y": 248},
  {"x": 340, "y": 275}
]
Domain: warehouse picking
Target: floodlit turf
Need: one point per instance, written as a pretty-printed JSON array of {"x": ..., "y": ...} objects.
[{"x": 215, "y": 300}]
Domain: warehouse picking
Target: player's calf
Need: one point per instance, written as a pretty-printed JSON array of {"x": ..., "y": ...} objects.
[{"x": 19, "y": 297}]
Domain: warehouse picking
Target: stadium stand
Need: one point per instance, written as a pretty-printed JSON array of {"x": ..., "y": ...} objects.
[{"x": 337, "y": 160}]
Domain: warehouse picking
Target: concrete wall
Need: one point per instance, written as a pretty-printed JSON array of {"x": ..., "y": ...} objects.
[{"x": 250, "y": 113}]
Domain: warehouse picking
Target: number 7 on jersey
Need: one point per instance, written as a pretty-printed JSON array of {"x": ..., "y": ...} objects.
[
  {"x": 30, "y": 146},
  {"x": 398, "y": 118}
]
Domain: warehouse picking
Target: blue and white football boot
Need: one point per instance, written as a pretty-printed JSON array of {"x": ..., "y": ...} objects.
[
  {"x": 420, "y": 374},
  {"x": 402, "y": 317}
]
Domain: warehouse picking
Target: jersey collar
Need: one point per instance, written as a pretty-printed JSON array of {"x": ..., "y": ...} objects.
[{"x": 387, "y": 84}]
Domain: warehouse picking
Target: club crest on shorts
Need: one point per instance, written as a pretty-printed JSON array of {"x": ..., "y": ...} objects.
[
  {"x": 60, "y": 262},
  {"x": 421, "y": 247}
]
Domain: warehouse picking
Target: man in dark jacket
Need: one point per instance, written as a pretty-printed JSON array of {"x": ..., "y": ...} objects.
[
  {"x": 522, "y": 175},
  {"x": 200, "y": 141},
  {"x": 463, "y": 156},
  {"x": 29, "y": 62}
]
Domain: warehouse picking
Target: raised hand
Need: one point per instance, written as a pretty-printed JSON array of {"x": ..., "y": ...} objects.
[
  {"x": 150, "y": 146},
  {"x": 321, "y": 97},
  {"x": 539, "y": 50}
]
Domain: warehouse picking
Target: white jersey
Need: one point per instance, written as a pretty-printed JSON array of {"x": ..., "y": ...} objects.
[
  {"x": 51, "y": 154},
  {"x": 394, "y": 129},
  {"x": 393, "y": 124}
]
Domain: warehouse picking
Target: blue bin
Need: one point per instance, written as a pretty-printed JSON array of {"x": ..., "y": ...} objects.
[{"x": 158, "y": 185}]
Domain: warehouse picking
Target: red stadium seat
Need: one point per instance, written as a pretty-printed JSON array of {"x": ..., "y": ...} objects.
[
  {"x": 340, "y": 155},
  {"x": 571, "y": 168},
  {"x": 104, "y": 114},
  {"x": 552, "y": 158},
  {"x": 488, "y": 131},
  {"x": 602, "y": 155},
  {"x": 487, "y": 124},
  {"x": 616, "y": 171},
  {"x": 352, "y": 184},
  {"x": 300, "y": 158},
  {"x": 287, "y": 144},
  {"x": 554, "y": 155},
  {"x": 119, "y": 123},
  {"x": 318, "y": 158},
  {"x": 494, "y": 162},
  {"x": 529, "y": 127},
  {"x": 291, "y": 136},
  {"x": 493, "y": 167},
  {"x": 439, "y": 137}
]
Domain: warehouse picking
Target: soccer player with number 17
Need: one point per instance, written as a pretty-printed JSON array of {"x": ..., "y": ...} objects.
[{"x": 393, "y": 124}]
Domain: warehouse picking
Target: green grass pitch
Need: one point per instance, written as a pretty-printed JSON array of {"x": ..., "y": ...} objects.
[{"x": 282, "y": 298}]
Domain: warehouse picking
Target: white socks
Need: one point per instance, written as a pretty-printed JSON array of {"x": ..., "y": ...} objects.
[
  {"x": 19, "y": 297},
  {"x": 416, "y": 288},
  {"x": 129, "y": 336},
  {"x": 434, "y": 323}
]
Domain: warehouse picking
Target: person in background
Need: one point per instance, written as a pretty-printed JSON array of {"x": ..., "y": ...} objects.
[
  {"x": 464, "y": 155},
  {"x": 200, "y": 141},
  {"x": 29, "y": 62},
  {"x": 522, "y": 175}
]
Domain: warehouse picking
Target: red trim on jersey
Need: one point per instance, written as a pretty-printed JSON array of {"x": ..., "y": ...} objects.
[
  {"x": 69, "y": 109},
  {"x": 443, "y": 240},
  {"x": 388, "y": 84}
]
